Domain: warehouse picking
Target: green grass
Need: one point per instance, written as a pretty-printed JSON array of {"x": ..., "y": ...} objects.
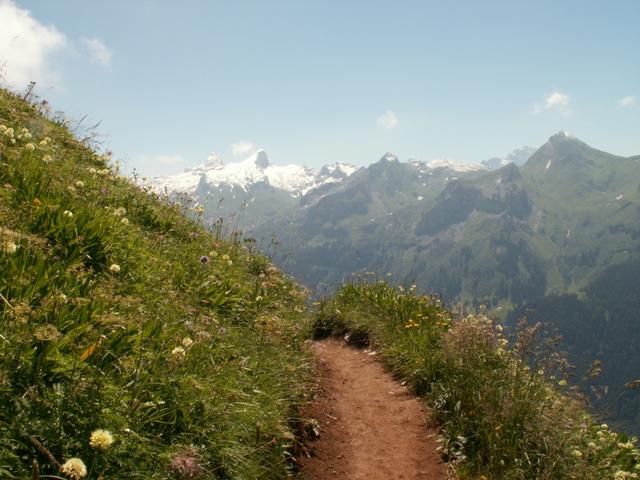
[
  {"x": 119, "y": 313},
  {"x": 503, "y": 405}
]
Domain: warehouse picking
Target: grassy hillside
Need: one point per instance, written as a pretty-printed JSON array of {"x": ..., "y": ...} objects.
[
  {"x": 133, "y": 343},
  {"x": 504, "y": 406}
]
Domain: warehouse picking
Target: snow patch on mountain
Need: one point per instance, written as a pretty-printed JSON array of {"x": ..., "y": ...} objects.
[
  {"x": 295, "y": 179},
  {"x": 453, "y": 165}
]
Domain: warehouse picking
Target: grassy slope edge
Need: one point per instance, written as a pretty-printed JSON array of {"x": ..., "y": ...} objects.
[
  {"x": 131, "y": 339},
  {"x": 505, "y": 412}
]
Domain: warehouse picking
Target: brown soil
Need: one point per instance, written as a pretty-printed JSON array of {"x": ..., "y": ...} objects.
[{"x": 371, "y": 427}]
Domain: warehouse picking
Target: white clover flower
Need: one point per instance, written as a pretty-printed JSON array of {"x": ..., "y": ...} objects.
[
  {"x": 47, "y": 139},
  {"x": 8, "y": 132},
  {"x": 124, "y": 221},
  {"x": 30, "y": 146},
  {"x": 114, "y": 268},
  {"x": 3, "y": 128},
  {"x": 80, "y": 184},
  {"x": 75, "y": 468},
  {"x": 178, "y": 352},
  {"x": 47, "y": 159},
  {"x": 101, "y": 439},
  {"x": 213, "y": 253},
  {"x": 187, "y": 342},
  {"x": 92, "y": 171},
  {"x": 576, "y": 453},
  {"x": 67, "y": 213},
  {"x": 229, "y": 262},
  {"x": 43, "y": 144},
  {"x": 9, "y": 247}
]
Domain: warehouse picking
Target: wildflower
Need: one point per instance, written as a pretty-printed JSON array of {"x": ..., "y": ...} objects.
[
  {"x": 80, "y": 184},
  {"x": 187, "y": 342},
  {"x": 67, "y": 213},
  {"x": 229, "y": 262},
  {"x": 92, "y": 170},
  {"x": 46, "y": 333},
  {"x": 200, "y": 209},
  {"x": 100, "y": 439},
  {"x": 75, "y": 468},
  {"x": 8, "y": 132},
  {"x": 36, "y": 202},
  {"x": 259, "y": 298},
  {"x": 71, "y": 188},
  {"x": 503, "y": 342},
  {"x": 47, "y": 139},
  {"x": 43, "y": 144},
  {"x": 499, "y": 328},
  {"x": 9, "y": 247},
  {"x": 120, "y": 212},
  {"x": 47, "y": 159},
  {"x": 30, "y": 146},
  {"x": 185, "y": 464},
  {"x": 178, "y": 352},
  {"x": 577, "y": 453},
  {"x": 204, "y": 259},
  {"x": 592, "y": 445},
  {"x": 114, "y": 268},
  {"x": 213, "y": 253},
  {"x": 225, "y": 257},
  {"x": 3, "y": 128},
  {"x": 562, "y": 383},
  {"x": 124, "y": 221}
]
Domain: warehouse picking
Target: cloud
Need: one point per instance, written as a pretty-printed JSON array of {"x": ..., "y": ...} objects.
[
  {"x": 556, "y": 101},
  {"x": 388, "y": 120},
  {"x": 26, "y": 46},
  {"x": 98, "y": 51},
  {"x": 243, "y": 147},
  {"x": 628, "y": 101}
]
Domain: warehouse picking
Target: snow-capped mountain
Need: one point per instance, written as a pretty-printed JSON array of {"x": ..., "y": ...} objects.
[
  {"x": 519, "y": 156},
  {"x": 296, "y": 180}
]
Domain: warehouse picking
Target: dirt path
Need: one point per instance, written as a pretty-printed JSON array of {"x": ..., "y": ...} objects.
[{"x": 371, "y": 427}]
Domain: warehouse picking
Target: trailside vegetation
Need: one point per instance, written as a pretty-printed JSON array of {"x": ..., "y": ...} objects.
[{"x": 505, "y": 411}]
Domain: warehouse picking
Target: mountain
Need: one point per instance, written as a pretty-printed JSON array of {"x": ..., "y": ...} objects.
[
  {"x": 250, "y": 191},
  {"x": 518, "y": 157},
  {"x": 559, "y": 230}
]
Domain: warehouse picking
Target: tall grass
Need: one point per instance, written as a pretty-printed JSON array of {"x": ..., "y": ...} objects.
[
  {"x": 133, "y": 342},
  {"x": 504, "y": 413}
]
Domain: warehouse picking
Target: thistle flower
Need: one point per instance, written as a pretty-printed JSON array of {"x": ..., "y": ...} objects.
[
  {"x": 75, "y": 468},
  {"x": 100, "y": 439},
  {"x": 114, "y": 268},
  {"x": 185, "y": 464}
]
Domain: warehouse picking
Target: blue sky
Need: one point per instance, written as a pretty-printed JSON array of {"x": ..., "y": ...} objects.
[{"x": 318, "y": 82}]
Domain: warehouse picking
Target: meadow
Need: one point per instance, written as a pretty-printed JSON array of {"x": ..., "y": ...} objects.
[{"x": 134, "y": 342}]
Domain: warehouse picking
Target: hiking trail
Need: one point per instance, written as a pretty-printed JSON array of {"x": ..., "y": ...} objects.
[{"x": 370, "y": 426}]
